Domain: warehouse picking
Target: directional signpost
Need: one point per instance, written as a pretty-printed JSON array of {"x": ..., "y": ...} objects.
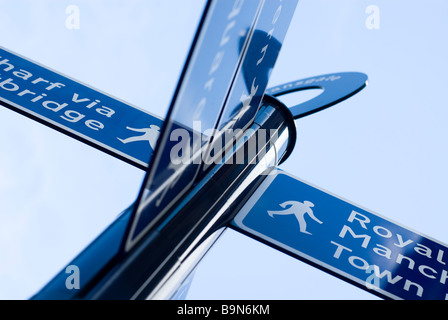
[
  {"x": 181, "y": 208},
  {"x": 345, "y": 239},
  {"x": 221, "y": 87}
]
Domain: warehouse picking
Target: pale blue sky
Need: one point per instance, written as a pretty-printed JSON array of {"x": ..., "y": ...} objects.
[{"x": 384, "y": 149}]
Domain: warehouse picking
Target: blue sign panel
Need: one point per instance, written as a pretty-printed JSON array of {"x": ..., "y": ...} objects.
[
  {"x": 77, "y": 110},
  {"x": 346, "y": 240},
  {"x": 220, "y": 50}
]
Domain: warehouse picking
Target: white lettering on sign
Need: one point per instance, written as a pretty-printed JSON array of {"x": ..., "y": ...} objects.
[
  {"x": 359, "y": 228},
  {"x": 42, "y": 88},
  {"x": 292, "y": 85}
]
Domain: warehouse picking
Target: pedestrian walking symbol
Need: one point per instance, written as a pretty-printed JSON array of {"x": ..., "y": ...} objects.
[
  {"x": 150, "y": 134},
  {"x": 298, "y": 209},
  {"x": 352, "y": 243}
]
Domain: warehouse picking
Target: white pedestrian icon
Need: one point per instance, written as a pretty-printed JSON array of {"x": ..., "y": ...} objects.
[
  {"x": 151, "y": 135},
  {"x": 298, "y": 209}
]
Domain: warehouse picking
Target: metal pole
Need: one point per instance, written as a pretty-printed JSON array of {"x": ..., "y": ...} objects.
[{"x": 158, "y": 265}]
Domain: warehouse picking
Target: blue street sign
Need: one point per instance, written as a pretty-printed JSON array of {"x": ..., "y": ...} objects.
[
  {"x": 211, "y": 78},
  {"x": 84, "y": 113},
  {"x": 337, "y": 87},
  {"x": 345, "y": 239}
]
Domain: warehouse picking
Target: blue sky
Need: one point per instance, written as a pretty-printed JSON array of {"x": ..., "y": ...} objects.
[{"x": 383, "y": 149}]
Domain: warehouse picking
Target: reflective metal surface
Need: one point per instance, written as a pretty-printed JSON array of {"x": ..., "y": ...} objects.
[
  {"x": 202, "y": 90},
  {"x": 262, "y": 53},
  {"x": 210, "y": 89},
  {"x": 169, "y": 252}
]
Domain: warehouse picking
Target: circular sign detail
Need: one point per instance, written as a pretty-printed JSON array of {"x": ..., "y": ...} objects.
[{"x": 336, "y": 88}]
